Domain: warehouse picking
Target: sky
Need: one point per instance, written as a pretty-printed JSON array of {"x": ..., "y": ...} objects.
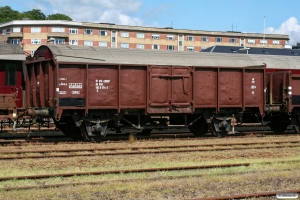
[{"x": 250, "y": 16}]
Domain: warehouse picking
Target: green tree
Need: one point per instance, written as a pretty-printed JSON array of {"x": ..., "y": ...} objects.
[
  {"x": 34, "y": 14},
  {"x": 58, "y": 16},
  {"x": 7, "y": 14}
]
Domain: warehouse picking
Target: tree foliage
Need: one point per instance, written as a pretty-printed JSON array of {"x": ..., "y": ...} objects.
[
  {"x": 7, "y": 14},
  {"x": 59, "y": 16},
  {"x": 34, "y": 14}
]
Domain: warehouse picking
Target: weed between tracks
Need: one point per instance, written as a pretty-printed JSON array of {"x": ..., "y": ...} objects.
[{"x": 158, "y": 185}]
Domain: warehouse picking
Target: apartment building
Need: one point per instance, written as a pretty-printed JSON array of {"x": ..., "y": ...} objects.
[{"x": 30, "y": 34}]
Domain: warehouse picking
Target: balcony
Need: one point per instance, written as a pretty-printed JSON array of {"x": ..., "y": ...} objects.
[
  {"x": 14, "y": 35},
  {"x": 58, "y": 34}
]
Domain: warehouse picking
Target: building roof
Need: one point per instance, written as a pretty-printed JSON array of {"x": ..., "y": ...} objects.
[
  {"x": 252, "y": 50},
  {"x": 142, "y": 28},
  {"x": 11, "y": 52},
  {"x": 102, "y": 55}
]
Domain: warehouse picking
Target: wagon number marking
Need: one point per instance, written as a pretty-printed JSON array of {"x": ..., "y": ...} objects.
[{"x": 101, "y": 84}]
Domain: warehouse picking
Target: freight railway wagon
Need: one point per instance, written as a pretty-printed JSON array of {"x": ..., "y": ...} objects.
[
  {"x": 12, "y": 60},
  {"x": 87, "y": 90},
  {"x": 282, "y": 91},
  {"x": 282, "y": 86}
]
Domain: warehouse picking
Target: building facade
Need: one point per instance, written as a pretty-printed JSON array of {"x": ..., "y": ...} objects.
[{"x": 30, "y": 34}]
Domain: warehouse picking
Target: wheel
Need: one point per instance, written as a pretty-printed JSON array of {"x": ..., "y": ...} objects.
[
  {"x": 199, "y": 128},
  {"x": 97, "y": 136},
  {"x": 278, "y": 127},
  {"x": 220, "y": 133},
  {"x": 72, "y": 131}
]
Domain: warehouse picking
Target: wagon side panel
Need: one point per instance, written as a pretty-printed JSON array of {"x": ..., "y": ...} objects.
[
  {"x": 205, "y": 88},
  {"x": 254, "y": 89},
  {"x": 230, "y": 88},
  {"x": 71, "y": 84},
  {"x": 133, "y": 87},
  {"x": 102, "y": 87}
]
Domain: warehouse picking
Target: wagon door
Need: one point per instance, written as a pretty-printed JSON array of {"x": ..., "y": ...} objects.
[{"x": 169, "y": 89}]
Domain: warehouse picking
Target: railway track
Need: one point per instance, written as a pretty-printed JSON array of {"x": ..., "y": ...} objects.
[
  {"x": 135, "y": 150},
  {"x": 116, "y": 180},
  {"x": 144, "y": 170},
  {"x": 36, "y": 140}
]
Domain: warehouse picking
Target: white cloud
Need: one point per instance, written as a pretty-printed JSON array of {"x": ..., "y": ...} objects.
[
  {"x": 290, "y": 27},
  {"x": 106, "y": 11}
]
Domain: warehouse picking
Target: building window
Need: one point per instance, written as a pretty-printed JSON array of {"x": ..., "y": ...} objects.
[
  {"x": 102, "y": 44},
  {"x": 73, "y": 30},
  {"x": 35, "y": 41},
  {"x": 219, "y": 39},
  {"x": 170, "y": 47},
  {"x": 73, "y": 42},
  {"x": 15, "y": 30},
  {"x": 251, "y": 41},
  {"x": 35, "y": 29},
  {"x": 276, "y": 42},
  {"x": 58, "y": 29},
  {"x": 140, "y": 35},
  {"x": 170, "y": 37},
  {"x": 88, "y": 43},
  {"x": 140, "y": 46},
  {"x": 155, "y": 36},
  {"x": 3, "y": 31},
  {"x": 190, "y": 48},
  {"x": 124, "y": 45},
  {"x": 15, "y": 41},
  {"x": 124, "y": 34},
  {"x": 10, "y": 74},
  {"x": 263, "y": 41},
  {"x": 232, "y": 40},
  {"x": 155, "y": 46},
  {"x": 103, "y": 33},
  {"x": 59, "y": 41},
  {"x": 88, "y": 31},
  {"x": 190, "y": 38},
  {"x": 204, "y": 39}
]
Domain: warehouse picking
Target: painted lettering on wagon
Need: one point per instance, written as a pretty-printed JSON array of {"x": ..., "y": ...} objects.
[
  {"x": 253, "y": 87},
  {"x": 75, "y": 85},
  {"x": 101, "y": 84}
]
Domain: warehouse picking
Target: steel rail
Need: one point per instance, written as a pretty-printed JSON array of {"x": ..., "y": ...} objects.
[
  {"x": 145, "y": 170},
  {"x": 119, "y": 180},
  {"x": 142, "y": 152},
  {"x": 149, "y": 147},
  {"x": 126, "y": 171},
  {"x": 37, "y": 141},
  {"x": 259, "y": 194}
]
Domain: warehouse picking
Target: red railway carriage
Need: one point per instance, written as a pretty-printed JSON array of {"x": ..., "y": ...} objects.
[
  {"x": 87, "y": 89},
  {"x": 283, "y": 91},
  {"x": 282, "y": 83},
  {"x": 12, "y": 60}
]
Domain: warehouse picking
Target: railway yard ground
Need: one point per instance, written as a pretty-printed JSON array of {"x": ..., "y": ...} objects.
[{"x": 159, "y": 166}]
